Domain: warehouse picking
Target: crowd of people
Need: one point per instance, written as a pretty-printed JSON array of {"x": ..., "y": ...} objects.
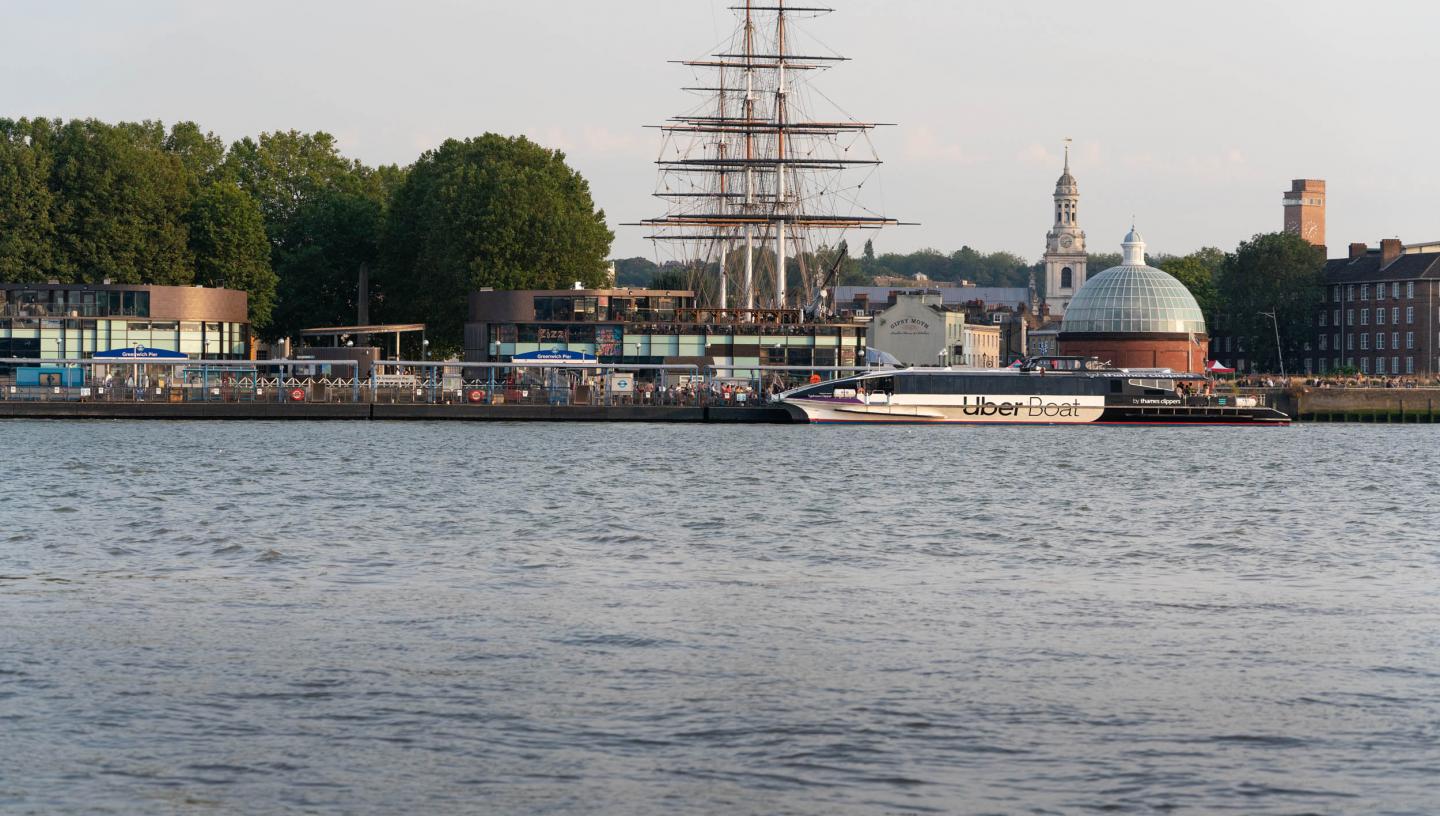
[{"x": 1334, "y": 381}]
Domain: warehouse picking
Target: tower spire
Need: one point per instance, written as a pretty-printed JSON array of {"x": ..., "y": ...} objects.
[{"x": 1067, "y": 155}]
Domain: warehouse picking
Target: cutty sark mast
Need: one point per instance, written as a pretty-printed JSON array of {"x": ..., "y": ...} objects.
[{"x": 751, "y": 174}]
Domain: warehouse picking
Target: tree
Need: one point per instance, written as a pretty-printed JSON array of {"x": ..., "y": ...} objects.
[
  {"x": 323, "y": 216},
  {"x": 27, "y": 235},
  {"x": 1197, "y": 275},
  {"x": 634, "y": 271},
  {"x": 202, "y": 154},
  {"x": 488, "y": 211},
  {"x": 119, "y": 206},
  {"x": 1279, "y": 273},
  {"x": 669, "y": 277},
  {"x": 227, "y": 238}
]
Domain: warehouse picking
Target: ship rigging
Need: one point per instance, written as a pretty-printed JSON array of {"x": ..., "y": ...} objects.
[{"x": 752, "y": 176}]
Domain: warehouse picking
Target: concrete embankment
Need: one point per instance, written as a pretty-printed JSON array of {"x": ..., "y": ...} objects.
[
  {"x": 1362, "y": 404},
  {"x": 387, "y": 411}
]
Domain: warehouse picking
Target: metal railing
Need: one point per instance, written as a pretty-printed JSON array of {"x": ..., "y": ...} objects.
[{"x": 401, "y": 382}]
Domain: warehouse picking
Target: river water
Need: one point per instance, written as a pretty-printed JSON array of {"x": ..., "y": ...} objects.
[{"x": 432, "y": 618}]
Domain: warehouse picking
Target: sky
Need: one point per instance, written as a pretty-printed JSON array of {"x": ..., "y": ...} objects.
[{"x": 1191, "y": 118}]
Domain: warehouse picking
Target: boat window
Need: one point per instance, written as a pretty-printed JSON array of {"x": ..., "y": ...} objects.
[
  {"x": 1156, "y": 385},
  {"x": 880, "y": 385},
  {"x": 1116, "y": 386}
]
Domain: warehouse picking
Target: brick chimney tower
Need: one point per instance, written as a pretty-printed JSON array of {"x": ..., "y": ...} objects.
[{"x": 1305, "y": 210}]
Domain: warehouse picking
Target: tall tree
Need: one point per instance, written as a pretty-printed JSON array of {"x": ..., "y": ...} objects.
[
  {"x": 1278, "y": 273},
  {"x": 201, "y": 153},
  {"x": 1197, "y": 271},
  {"x": 119, "y": 206},
  {"x": 323, "y": 216},
  {"x": 27, "y": 235},
  {"x": 227, "y": 238},
  {"x": 488, "y": 211}
]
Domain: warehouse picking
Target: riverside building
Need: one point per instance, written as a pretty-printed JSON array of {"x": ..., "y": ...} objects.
[
  {"x": 643, "y": 327},
  {"x": 76, "y": 321},
  {"x": 1380, "y": 314},
  {"x": 1135, "y": 316}
]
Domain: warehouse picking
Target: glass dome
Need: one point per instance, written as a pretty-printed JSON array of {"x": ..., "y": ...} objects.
[{"x": 1129, "y": 298}]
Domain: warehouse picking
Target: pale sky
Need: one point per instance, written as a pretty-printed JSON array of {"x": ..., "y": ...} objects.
[{"x": 1193, "y": 117}]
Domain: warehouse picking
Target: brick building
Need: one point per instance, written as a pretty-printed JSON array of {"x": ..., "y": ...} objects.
[{"x": 1381, "y": 312}]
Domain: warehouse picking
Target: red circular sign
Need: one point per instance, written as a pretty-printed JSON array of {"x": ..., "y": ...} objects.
[
  {"x": 297, "y": 394},
  {"x": 476, "y": 395}
]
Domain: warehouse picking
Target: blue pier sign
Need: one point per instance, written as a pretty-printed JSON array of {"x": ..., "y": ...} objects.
[
  {"x": 554, "y": 356},
  {"x": 140, "y": 353}
]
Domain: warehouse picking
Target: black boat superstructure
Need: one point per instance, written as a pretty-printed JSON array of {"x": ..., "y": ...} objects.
[{"x": 1041, "y": 391}]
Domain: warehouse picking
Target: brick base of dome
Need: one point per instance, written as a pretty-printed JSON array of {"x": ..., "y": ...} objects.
[{"x": 1178, "y": 352}]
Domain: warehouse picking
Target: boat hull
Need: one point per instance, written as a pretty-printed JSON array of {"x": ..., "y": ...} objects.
[{"x": 1072, "y": 411}]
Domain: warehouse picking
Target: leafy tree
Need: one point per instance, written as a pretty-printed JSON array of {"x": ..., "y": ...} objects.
[
  {"x": 227, "y": 238},
  {"x": 202, "y": 154},
  {"x": 27, "y": 235},
  {"x": 1197, "y": 275},
  {"x": 635, "y": 271},
  {"x": 1097, "y": 262},
  {"x": 669, "y": 277},
  {"x": 488, "y": 211},
  {"x": 1273, "y": 272},
  {"x": 323, "y": 216},
  {"x": 119, "y": 206}
]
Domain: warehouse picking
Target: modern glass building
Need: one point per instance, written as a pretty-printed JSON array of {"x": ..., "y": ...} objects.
[
  {"x": 652, "y": 327},
  {"x": 76, "y": 321}
]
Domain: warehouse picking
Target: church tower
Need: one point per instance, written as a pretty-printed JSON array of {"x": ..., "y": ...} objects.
[{"x": 1064, "y": 245}]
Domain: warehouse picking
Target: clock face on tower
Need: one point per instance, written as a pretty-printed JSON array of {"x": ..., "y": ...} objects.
[
  {"x": 1066, "y": 242},
  {"x": 1311, "y": 230}
]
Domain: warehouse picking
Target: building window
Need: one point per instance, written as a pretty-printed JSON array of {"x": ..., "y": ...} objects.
[
  {"x": 1409, "y": 365},
  {"x": 1409, "y": 340},
  {"x": 1410, "y": 289},
  {"x": 1364, "y": 362},
  {"x": 1349, "y": 342},
  {"x": 1335, "y": 338},
  {"x": 1364, "y": 315},
  {"x": 1380, "y": 317},
  {"x": 1394, "y": 340},
  {"x": 1350, "y": 292},
  {"x": 1395, "y": 315},
  {"x": 1409, "y": 315},
  {"x": 1394, "y": 365},
  {"x": 1322, "y": 317},
  {"x": 1379, "y": 365},
  {"x": 1364, "y": 290},
  {"x": 1324, "y": 344},
  {"x": 1379, "y": 341},
  {"x": 1322, "y": 365},
  {"x": 1364, "y": 342},
  {"x": 1066, "y": 277},
  {"x": 1336, "y": 290},
  {"x": 1309, "y": 366},
  {"x": 1349, "y": 317},
  {"x": 1395, "y": 290},
  {"x": 1336, "y": 316}
]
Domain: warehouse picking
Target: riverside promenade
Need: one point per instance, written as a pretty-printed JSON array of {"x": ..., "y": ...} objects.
[{"x": 55, "y": 409}]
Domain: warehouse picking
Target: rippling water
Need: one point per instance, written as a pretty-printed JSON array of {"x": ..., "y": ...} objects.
[{"x": 441, "y": 618}]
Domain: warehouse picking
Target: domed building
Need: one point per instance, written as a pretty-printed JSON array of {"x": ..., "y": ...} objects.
[{"x": 1135, "y": 316}]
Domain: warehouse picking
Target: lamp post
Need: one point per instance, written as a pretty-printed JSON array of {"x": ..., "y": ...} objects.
[{"x": 1279, "y": 352}]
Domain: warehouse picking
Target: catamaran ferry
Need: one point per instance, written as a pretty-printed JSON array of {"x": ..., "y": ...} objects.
[{"x": 1044, "y": 391}]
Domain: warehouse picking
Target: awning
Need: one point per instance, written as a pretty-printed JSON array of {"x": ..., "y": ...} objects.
[{"x": 1216, "y": 368}]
